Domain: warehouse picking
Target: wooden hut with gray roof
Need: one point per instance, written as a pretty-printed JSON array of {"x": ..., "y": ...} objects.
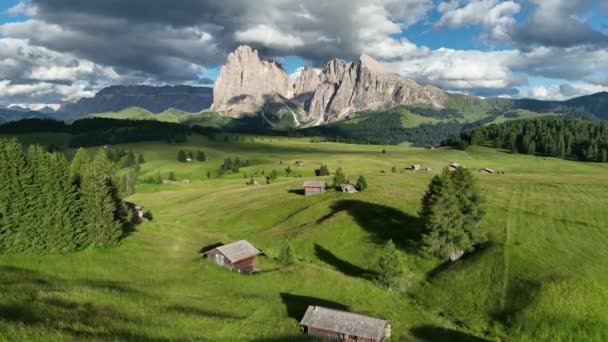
[
  {"x": 237, "y": 256},
  {"x": 313, "y": 187},
  {"x": 344, "y": 326}
]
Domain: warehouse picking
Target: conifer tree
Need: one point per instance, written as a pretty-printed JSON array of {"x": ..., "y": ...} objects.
[
  {"x": 390, "y": 267},
  {"x": 339, "y": 178},
  {"x": 181, "y": 156},
  {"x": 140, "y": 159},
  {"x": 451, "y": 211},
  {"x": 273, "y": 175},
  {"x": 361, "y": 184},
  {"x": 172, "y": 176},
  {"x": 80, "y": 160},
  {"x": 287, "y": 253},
  {"x": 100, "y": 210}
]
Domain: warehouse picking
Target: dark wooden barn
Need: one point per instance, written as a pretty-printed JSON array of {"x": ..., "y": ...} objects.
[
  {"x": 314, "y": 187},
  {"x": 344, "y": 326},
  {"x": 237, "y": 256}
]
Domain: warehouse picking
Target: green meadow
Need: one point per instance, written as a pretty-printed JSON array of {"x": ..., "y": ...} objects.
[{"x": 543, "y": 275}]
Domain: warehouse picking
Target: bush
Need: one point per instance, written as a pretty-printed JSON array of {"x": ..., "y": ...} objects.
[{"x": 361, "y": 184}]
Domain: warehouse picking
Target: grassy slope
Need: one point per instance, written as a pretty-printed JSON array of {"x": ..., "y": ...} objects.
[{"x": 543, "y": 274}]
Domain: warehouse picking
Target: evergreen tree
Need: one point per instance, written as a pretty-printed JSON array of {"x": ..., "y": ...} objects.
[
  {"x": 390, "y": 267},
  {"x": 190, "y": 157},
  {"x": 288, "y": 171},
  {"x": 172, "y": 176},
  {"x": 129, "y": 160},
  {"x": 140, "y": 159},
  {"x": 181, "y": 156},
  {"x": 200, "y": 156},
  {"x": 361, "y": 183},
  {"x": 208, "y": 174},
  {"x": 273, "y": 175},
  {"x": 394, "y": 169},
  {"x": 80, "y": 160},
  {"x": 322, "y": 171},
  {"x": 451, "y": 211},
  {"x": 339, "y": 178},
  {"x": 100, "y": 210},
  {"x": 158, "y": 179},
  {"x": 287, "y": 253}
]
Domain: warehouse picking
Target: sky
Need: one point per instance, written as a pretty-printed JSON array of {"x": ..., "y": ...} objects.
[{"x": 54, "y": 51}]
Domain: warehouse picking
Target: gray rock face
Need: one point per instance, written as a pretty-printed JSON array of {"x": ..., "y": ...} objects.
[
  {"x": 245, "y": 80},
  {"x": 304, "y": 88},
  {"x": 365, "y": 85},
  {"x": 246, "y": 84}
]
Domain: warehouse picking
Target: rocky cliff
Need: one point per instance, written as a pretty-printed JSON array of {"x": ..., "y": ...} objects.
[
  {"x": 247, "y": 84},
  {"x": 153, "y": 99},
  {"x": 245, "y": 81}
]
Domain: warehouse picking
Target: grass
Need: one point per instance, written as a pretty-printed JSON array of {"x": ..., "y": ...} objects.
[{"x": 541, "y": 277}]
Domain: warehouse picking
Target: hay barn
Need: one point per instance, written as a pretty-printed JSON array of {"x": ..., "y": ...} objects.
[
  {"x": 344, "y": 326},
  {"x": 237, "y": 256}
]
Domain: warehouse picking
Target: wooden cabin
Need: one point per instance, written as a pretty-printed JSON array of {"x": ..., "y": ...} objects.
[
  {"x": 299, "y": 162},
  {"x": 415, "y": 167},
  {"x": 486, "y": 170},
  {"x": 237, "y": 256},
  {"x": 453, "y": 166},
  {"x": 336, "y": 325},
  {"x": 314, "y": 187},
  {"x": 348, "y": 188}
]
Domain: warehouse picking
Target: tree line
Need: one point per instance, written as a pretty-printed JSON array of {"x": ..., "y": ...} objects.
[
  {"x": 554, "y": 137},
  {"x": 48, "y": 204}
]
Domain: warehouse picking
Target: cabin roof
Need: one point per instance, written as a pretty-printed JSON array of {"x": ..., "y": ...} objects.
[
  {"x": 314, "y": 184},
  {"x": 238, "y": 250},
  {"x": 344, "y": 322},
  {"x": 456, "y": 165},
  {"x": 487, "y": 169}
]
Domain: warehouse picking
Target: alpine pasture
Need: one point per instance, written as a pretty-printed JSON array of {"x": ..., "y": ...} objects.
[{"x": 542, "y": 275}]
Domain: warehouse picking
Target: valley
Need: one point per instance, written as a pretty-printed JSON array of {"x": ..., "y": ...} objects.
[{"x": 540, "y": 276}]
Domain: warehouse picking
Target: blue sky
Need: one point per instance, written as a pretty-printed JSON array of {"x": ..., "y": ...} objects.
[{"x": 59, "y": 50}]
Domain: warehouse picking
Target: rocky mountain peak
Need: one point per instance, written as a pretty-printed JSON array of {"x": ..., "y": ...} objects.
[
  {"x": 373, "y": 65},
  {"x": 306, "y": 83},
  {"x": 245, "y": 80}
]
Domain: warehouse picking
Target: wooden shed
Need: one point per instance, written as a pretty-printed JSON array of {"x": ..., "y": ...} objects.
[
  {"x": 314, "y": 187},
  {"x": 348, "y": 188},
  {"x": 344, "y": 326},
  {"x": 453, "y": 166},
  {"x": 486, "y": 170},
  {"x": 237, "y": 256},
  {"x": 415, "y": 167}
]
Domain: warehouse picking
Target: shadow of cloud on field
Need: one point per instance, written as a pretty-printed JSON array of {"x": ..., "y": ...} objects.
[
  {"x": 430, "y": 333},
  {"x": 343, "y": 266},
  {"x": 383, "y": 222},
  {"x": 296, "y": 305}
]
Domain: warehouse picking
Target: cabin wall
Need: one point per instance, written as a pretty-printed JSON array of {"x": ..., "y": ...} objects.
[
  {"x": 334, "y": 336},
  {"x": 313, "y": 190},
  {"x": 244, "y": 266}
]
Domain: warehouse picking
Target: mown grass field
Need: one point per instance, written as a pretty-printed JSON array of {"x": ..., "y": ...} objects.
[{"x": 542, "y": 276}]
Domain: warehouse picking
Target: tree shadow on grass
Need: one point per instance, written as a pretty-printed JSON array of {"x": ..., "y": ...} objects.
[
  {"x": 521, "y": 294},
  {"x": 436, "y": 334},
  {"x": 342, "y": 265},
  {"x": 296, "y": 305},
  {"x": 382, "y": 222},
  {"x": 467, "y": 259}
]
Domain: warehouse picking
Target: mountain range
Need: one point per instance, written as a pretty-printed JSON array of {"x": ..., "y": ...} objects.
[{"x": 363, "y": 100}]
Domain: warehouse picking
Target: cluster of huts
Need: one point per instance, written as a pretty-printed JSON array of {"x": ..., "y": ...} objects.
[
  {"x": 318, "y": 187},
  {"x": 318, "y": 321}
]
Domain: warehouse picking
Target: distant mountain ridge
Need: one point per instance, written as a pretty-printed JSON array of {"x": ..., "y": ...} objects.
[{"x": 151, "y": 98}]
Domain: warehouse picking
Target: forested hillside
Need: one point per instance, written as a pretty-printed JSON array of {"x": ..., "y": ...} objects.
[
  {"x": 50, "y": 205},
  {"x": 576, "y": 139}
]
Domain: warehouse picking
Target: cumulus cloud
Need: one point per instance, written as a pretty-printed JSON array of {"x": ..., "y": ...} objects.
[
  {"x": 561, "y": 91},
  {"x": 495, "y": 16},
  {"x": 555, "y": 23},
  {"x": 87, "y": 44}
]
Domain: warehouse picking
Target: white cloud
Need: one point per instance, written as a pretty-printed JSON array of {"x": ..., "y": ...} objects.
[
  {"x": 268, "y": 36},
  {"x": 561, "y": 91},
  {"x": 36, "y": 106},
  {"x": 496, "y": 16}
]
